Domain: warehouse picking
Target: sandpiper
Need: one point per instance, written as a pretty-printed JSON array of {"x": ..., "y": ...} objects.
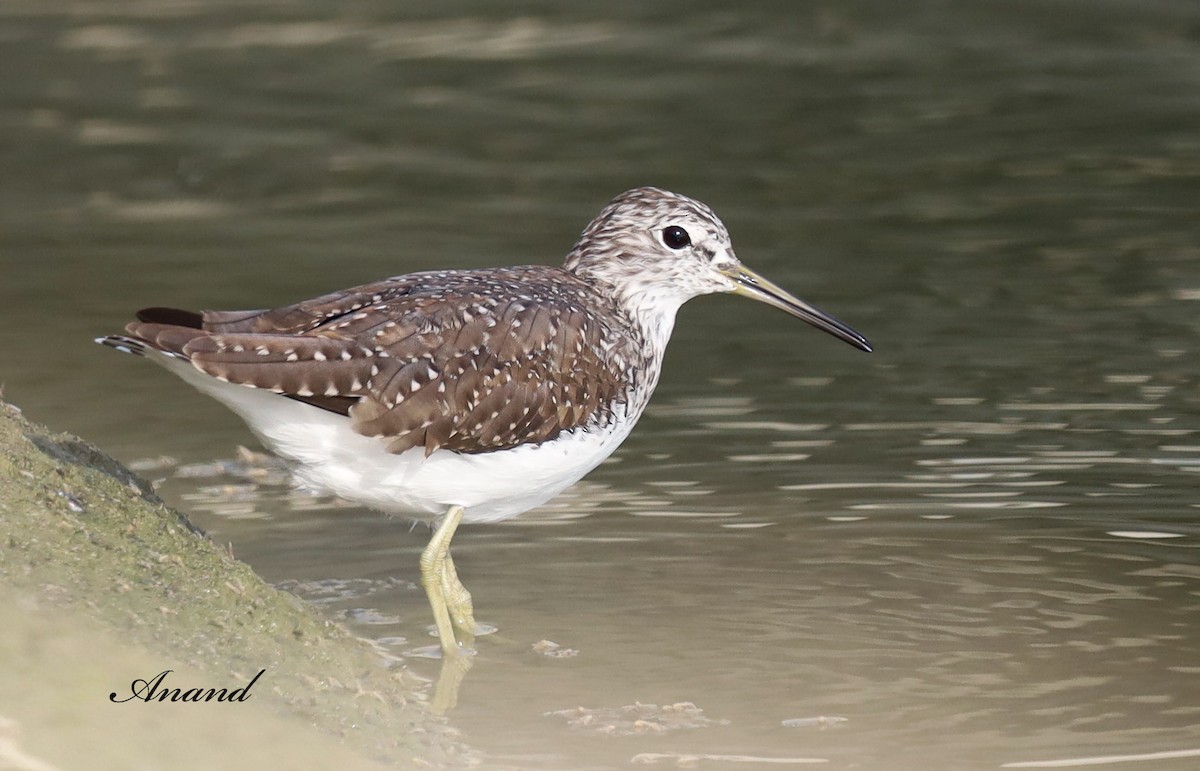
[{"x": 467, "y": 395}]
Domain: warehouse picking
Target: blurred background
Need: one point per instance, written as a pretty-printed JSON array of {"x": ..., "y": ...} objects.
[{"x": 974, "y": 547}]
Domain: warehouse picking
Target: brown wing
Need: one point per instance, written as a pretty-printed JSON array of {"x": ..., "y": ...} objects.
[{"x": 464, "y": 361}]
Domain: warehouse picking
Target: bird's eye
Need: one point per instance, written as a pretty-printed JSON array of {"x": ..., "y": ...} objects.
[{"x": 676, "y": 237}]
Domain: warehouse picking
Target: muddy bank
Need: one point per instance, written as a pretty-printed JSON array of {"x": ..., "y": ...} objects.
[{"x": 101, "y": 584}]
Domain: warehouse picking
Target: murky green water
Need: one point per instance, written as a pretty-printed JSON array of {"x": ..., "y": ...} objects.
[{"x": 978, "y": 546}]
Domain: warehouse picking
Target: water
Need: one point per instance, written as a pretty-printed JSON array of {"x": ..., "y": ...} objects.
[{"x": 975, "y": 547}]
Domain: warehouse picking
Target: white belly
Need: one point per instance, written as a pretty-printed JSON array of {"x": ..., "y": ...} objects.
[{"x": 330, "y": 457}]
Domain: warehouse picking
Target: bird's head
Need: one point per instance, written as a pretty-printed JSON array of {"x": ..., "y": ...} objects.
[{"x": 656, "y": 250}]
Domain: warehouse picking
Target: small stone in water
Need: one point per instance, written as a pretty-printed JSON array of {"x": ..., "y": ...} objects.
[{"x": 553, "y": 650}]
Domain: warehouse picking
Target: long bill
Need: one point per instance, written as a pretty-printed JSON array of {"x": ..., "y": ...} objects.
[{"x": 747, "y": 283}]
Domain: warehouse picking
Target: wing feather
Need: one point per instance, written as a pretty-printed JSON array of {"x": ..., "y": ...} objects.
[{"x": 468, "y": 361}]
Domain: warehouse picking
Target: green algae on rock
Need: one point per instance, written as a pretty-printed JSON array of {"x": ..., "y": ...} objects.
[{"x": 88, "y": 551}]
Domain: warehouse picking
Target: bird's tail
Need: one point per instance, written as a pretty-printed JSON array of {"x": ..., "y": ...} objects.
[
  {"x": 158, "y": 330},
  {"x": 125, "y": 344}
]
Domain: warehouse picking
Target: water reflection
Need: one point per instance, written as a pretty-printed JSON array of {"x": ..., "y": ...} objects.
[{"x": 965, "y": 594}]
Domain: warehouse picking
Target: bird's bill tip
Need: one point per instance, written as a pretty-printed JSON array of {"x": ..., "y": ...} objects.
[{"x": 747, "y": 283}]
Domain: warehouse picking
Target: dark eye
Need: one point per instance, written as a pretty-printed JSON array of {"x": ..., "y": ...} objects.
[{"x": 676, "y": 237}]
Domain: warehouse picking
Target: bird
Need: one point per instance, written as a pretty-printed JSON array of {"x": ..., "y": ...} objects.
[{"x": 453, "y": 396}]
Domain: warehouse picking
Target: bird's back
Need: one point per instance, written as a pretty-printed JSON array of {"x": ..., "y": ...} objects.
[{"x": 467, "y": 361}]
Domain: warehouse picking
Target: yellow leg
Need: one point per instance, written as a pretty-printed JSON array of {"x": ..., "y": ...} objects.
[
  {"x": 458, "y": 601},
  {"x": 433, "y": 577}
]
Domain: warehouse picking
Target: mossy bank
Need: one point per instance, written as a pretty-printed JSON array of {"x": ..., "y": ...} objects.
[{"x": 101, "y": 584}]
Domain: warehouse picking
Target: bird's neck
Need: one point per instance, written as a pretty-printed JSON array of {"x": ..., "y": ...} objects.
[
  {"x": 649, "y": 304},
  {"x": 649, "y": 308},
  {"x": 648, "y": 312},
  {"x": 653, "y": 313}
]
